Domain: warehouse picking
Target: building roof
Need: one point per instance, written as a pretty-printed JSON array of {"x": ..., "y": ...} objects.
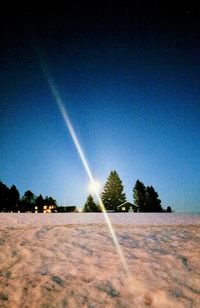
[{"x": 128, "y": 203}]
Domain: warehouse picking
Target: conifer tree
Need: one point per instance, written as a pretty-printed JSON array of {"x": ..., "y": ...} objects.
[
  {"x": 39, "y": 202},
  {"x": 139, "y": 196},
  {"x": 28, "y": 202},
  {"x": 113, "y": 195},
  {"x": 90, "y": 205},
  {"x": 4, "y": 191},
  {"x": 153, "y": 203},
  {"x": 13, "y": 198},
  {"x": 169, "y": 210},
  {"x": 49, "y": 201}
]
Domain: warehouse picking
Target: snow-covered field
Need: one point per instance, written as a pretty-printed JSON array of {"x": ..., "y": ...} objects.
[
  {"x": 23, "y": 219},
  {"x": 69, "y": 260}
]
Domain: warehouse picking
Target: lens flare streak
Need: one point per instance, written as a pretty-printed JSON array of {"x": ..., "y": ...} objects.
[{"x": 69, "y": 125}]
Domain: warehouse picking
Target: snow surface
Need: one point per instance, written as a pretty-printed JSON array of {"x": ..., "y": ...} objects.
[{"x": 23, "y": 219}]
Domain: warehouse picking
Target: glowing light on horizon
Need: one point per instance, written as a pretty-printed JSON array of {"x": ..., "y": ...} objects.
[
  {"x": 94, "y": 186},
  {"x": 93, "y": 183}
]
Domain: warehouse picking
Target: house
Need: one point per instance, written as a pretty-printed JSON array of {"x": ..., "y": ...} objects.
[
  {"x": 127, "y": 207},
  {"x": 66, "y": 209},
  {"x": 49, "y": 208},
  {"x": 46, "y": 209}
]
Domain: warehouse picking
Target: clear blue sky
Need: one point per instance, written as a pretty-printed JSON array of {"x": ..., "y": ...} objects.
[{"x": 131, "y": 84}]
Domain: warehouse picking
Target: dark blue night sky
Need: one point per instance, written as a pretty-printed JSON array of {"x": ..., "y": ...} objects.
[{"x": 130, "y": 80}]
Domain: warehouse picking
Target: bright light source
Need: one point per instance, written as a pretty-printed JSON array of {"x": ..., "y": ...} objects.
[{"x": 94, "y": 187}]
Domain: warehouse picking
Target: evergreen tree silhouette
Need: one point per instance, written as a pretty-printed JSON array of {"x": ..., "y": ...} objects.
[
  {"x": 90, "y": 205},
  {"x": 139, "y": 196},
  {"x": 113, "y": 195}
]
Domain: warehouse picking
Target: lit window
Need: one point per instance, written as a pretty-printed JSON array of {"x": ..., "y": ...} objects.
[
  {"x": 36, "y": 207},
  {"x": 44, "y": 207},
  {"x": 123, "y": 209}
]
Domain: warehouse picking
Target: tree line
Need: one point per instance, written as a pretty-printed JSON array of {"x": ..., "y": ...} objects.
[
  {"x": 10, "y": 200},
  {"x": 145, "y": 198}
]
